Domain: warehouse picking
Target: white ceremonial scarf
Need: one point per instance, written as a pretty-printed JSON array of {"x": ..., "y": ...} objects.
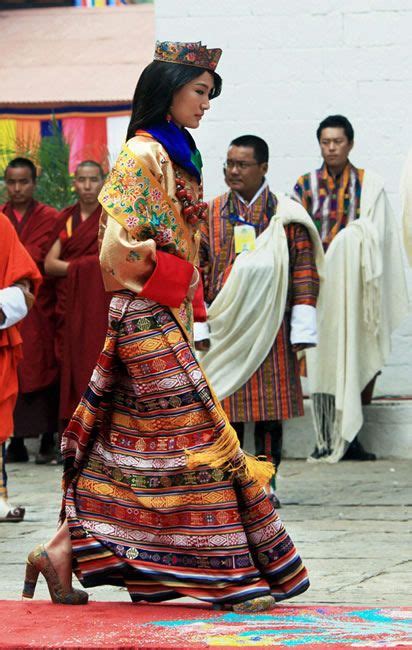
[
  {"x": 246, "y": 315},
  {"x": 362, "y": 301},
  {"x": 406, "y": 198}
]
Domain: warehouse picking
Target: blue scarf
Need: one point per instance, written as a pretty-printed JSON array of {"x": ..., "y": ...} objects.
[{"x": 180, "y": 146}]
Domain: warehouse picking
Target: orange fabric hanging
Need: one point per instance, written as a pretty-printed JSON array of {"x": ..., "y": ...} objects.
[{"x": 28, "y": 138}]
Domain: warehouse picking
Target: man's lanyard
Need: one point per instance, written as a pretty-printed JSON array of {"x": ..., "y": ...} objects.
[{"x": 234, "y": 218}]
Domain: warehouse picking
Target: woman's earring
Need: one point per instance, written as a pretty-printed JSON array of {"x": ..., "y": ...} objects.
[{"x": 168, "y": 117}]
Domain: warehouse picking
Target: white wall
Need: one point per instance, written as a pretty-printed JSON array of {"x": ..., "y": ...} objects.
[{"x": 286, "y": 65}]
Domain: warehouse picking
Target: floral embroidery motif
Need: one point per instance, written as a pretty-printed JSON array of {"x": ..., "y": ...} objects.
[
  {"x": 132, "y": 221},
  {"x": 131, "y": 196},
  {"x": 156, "y": 195}
]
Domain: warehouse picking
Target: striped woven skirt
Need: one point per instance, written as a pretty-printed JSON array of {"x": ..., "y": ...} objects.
[{"x": 137, "y": 515}]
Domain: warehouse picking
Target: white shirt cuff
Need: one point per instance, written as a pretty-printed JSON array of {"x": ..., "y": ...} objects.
[
  {"x": 201, "y": 331},
  {"x": 13, "y": 305},
  {"x": 303, "y": 327}
]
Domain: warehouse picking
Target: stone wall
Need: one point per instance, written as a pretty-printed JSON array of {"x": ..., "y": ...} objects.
[{"x": 289, "y": 63}]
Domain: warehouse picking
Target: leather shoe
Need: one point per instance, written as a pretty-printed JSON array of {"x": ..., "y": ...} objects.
[
  {"x": 17, "y": 454},
  {"x": 317, "y": 454},
  {"x": 13, "y": 515},
  {"x": 46, "y": 457},
  {"x": 355, "y": 451},
  {"x": 274, "y": 500}
]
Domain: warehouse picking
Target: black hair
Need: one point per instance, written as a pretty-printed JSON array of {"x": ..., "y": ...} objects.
[
  {"x": 22, "y": 162},
  {"x": 258, "y": 145},
  {"x": 90, "y": 163},
  {"x": 336, "y": 122},
  {"x": 155, "y": 88}
]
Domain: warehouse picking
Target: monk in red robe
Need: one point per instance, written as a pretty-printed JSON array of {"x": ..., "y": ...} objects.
[
  {"x": 19, "y": 282},
  {"x": 82, "y": 303},
  {"x": 36, "y": 413}
]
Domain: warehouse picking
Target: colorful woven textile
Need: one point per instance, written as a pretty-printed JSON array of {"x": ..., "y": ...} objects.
[
  {"x": 122, "y": 626},
  {"x": 274, "y": 391},
  {"x": 137, "y": 515},
  {"x": 92, "y": 132},
  {"x": 331, "y": 202}
]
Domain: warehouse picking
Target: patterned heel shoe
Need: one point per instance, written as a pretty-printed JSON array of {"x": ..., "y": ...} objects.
[
  {"x": 261, "y": 604},
  {"x": 38, "y": 561}
]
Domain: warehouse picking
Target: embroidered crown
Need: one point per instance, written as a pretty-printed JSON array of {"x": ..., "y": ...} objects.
[{"x": 187, "y": 53}]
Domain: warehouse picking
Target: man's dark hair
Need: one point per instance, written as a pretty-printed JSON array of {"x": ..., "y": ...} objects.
[
  {"x": 259, "y": 146},
  {"x": 336, "y": 122},
  {"x": 155, "y": 89},
  {"x": 22, "y": 162},
  {"x": 90, "y": 163}
]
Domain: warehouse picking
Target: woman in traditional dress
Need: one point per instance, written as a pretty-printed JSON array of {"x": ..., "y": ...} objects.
[{"x": 158, "y": 495}]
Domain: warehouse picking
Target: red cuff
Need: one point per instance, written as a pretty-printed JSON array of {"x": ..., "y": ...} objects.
[
  {"x": 169, "y": 283},
  {"x": 199, "y": 306}
]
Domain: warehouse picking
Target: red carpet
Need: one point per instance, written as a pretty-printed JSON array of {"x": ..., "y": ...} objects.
[{"x": 124, "y": 626}]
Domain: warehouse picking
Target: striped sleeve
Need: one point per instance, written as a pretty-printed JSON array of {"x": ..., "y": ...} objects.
[
  {"x": 302, "y": 193},
  {"x": 305, "y": 279}
]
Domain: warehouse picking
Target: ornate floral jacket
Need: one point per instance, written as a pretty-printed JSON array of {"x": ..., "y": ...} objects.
[{"x": 146, "y": 244}]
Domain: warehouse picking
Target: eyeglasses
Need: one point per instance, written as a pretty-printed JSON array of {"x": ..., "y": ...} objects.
[{"x": 240, "y": 164}]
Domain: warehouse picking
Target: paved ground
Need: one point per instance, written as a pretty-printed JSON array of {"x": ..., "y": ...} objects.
[{"x": 349, "y": 522}]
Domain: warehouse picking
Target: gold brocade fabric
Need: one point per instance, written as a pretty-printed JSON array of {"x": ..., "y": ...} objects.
[{"x": 142, "y": 214}]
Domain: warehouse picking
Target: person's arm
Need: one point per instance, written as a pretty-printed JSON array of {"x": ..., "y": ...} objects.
[
  {"x": 305, "y": 288},
  {"x": 53, "y": 265},
  {"x": 137, "y": 222},
  {"x": 171, "y": 281},
  {"x": 141, "y": 267},
  {"x": 301, "y": 195}
]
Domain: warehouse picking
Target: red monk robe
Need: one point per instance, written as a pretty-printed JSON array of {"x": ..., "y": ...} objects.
[
  {"x": 15, "y": 265},
  {"x": 38, "y": 368},
  {"x": 82, "y": 305}
]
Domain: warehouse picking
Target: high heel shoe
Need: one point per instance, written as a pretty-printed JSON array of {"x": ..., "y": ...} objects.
[
  {"x": 38, "y": 561},
  {"x": 259, "y": 604}
]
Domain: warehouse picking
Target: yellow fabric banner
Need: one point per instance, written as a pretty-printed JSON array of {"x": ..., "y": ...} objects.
[{"x": 7, "y": 142}]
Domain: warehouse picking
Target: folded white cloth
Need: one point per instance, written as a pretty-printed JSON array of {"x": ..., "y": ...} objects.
[
  {"x": 362, "y": 301},
  {"x": 201, "y": 331},
  {"x": 246, "y": 315},
  {"x": 13, "y": 306},
  {"x": 303, "y": 326},
  {"x": 406, "y": 197}
]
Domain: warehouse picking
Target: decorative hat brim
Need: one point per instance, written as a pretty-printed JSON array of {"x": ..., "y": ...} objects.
[{"x": 194, "y": 54}]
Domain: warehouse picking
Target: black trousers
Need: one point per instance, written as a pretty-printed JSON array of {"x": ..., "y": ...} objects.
[
  {"x": 268, "y": 439},
  {"x": 3, "y": 473}
]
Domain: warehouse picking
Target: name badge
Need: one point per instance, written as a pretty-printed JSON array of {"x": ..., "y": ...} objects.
[{"x": 245, "y": 238}]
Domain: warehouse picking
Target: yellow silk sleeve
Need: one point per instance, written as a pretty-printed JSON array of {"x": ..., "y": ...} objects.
[{"x": 126, "y": 262}]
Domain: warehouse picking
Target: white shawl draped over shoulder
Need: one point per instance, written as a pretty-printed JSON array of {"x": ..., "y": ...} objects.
[
  {"x": 362, "y": 301},
  {"x": 246, "y": 315}
]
